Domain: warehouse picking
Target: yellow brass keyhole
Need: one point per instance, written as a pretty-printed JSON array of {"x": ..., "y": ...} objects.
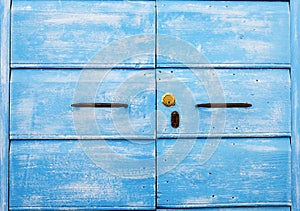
[{"x": 168, "y": 99}]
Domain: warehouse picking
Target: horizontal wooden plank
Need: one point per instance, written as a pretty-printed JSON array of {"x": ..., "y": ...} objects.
[
  {"x": 234, "y": 209},
  {"x": 73, "y": 208},
  {"x": 198, "y": 32},
  {"x": 281, "y": 208},
  {"x": 267, "y": 90},
  {"x": 236, "y": 172},
  {"x": 107, "y": 33},
  {"x": 113, "y": 174},
  {"x": 41, "y": 103}
]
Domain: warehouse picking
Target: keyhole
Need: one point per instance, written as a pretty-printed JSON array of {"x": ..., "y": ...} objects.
[{"x": 175, "y": 119}]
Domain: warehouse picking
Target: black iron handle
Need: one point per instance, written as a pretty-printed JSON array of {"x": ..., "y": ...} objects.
[
  {"x": 224, "y": 105},
  {"x": 101, "y": 105}
]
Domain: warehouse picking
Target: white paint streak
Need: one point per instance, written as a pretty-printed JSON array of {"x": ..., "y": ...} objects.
[
  {"x": 241, "y": 25},
  {"x": 255, "y": 47},
  {"x": 106, "y": 191},
  {"x": 205, "y": 9},
  {"x": 105, "y": 19},
  {"x": 202, "y": 200},
  {"x": 25, "y": 8},
  {"x": 256, "y": 148}
]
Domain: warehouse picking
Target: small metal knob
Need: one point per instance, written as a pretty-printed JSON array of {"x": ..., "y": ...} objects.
[{"x": 168, "y": 99}]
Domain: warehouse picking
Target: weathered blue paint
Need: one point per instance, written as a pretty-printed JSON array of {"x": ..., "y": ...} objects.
[
  {"x": 253, "y": 171},
  {"x": 295, "y": 73},
  {"x": 41, "y": 104},
  {"x": 4, "y": 101},
  {"x": 247, "y": 42},
  {"x": 234, "y": 209},
  {"x": 226, "y": 32},
  {"x": 58, "y": 174},
  {"x": 64, "y": 33},
  {"x": 268, "y": 90}
]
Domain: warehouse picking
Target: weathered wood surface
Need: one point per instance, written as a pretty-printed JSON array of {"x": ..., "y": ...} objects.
[
  {"x": 240, "y": 172},
  {"x": 41, "y": 99},
  {"x": 82, "y": 174},
  {"x": 295, "y": 75},
  {"x": 268, "y": 90},
  {"x": 242, "y": 32},
  {"x": 55, "y": 174},
  {"x": 68, "y": 33},
  {"x": 41, "y": 104},
  {"x": 233, "y": 209},
  {"x": 4, "y": 101}
]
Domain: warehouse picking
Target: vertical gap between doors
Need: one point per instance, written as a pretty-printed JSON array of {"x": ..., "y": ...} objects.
[{"x": 156, "y": 101}]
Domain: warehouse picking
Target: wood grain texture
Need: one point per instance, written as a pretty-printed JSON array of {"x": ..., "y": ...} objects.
[
  {"x": 267, "y": 90},
  {"x": 61, "y": 175},
  {"x": 295, "y": 74},
  {"x": 4, "y": 101},
  {"x": 222, "y": 32},
  {"x": 64, "y": 33},
  {"x": 82, "y": 175},
  {"x": 41, "y": 104},
  {"x": 240, "y": 172}
]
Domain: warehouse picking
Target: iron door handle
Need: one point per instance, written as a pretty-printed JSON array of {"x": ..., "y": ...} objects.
[
  {"x": 101, "y": 105},
  {"x": 223, "y": 105}
]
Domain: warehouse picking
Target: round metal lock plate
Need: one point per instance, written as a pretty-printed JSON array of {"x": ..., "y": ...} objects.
[{"x": 168, "y": 99}]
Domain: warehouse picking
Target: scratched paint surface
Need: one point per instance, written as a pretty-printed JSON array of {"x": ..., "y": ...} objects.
[
  {"x": 73, "y": 32},
  {"x": 60, "y": 174},
  {"x": 252, "y": 170},
  {"x": 41, "y": 99},
  {"x": 41, "y": 103},
  {"x": 4, "y": 101},
  {"x": 52, "y": 174},
  {"x": 268, "y": 90},
  {"x": 225, "y": 32},
  {"x": 234, "y": 209}
]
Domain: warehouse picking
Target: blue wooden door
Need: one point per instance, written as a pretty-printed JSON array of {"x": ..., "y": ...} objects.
[
  {"x": 82, "y": 132},
  {"x": 231, "y": 81},
  {"x": 89, "y": 129}
]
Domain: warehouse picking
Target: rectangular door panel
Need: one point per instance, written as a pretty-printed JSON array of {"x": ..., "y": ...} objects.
[
  {"x": 83, "y": 33},
  {"x": 85, "y": 175},
  {"x": 67, "y": 103},
  {"x": 223, "y": 172},
  {"x": 191, "y": 33},
  {"x": 224, "y": 102}
]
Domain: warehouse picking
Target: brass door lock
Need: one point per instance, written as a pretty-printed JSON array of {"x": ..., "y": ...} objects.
[{"x": 168, "y": 99}]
